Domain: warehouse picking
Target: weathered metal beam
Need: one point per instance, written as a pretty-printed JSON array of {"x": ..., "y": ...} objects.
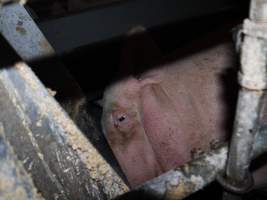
[
  {"x": 15, "y": 183},
  {"x": 181, "y": 182},
  {"x": 62, "y": 162},
  {"x": 25, "y": 37},
  {"x": 27, "y": 40},
  {"x": 19, "y": 29},
  {"x": 30, "y": 44},
  {"x": 68, "y": 93}
]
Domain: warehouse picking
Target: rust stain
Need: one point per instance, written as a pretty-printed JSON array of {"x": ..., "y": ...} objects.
[
  {"x": 21, "y": 30},
  {"x": 181, "y": 191},
  {"x": 176, "y": 191},
  {"x": 44, "y": 45}
]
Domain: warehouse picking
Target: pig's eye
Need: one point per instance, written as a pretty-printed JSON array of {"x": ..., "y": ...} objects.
[
  {"x": 121, "y": 118},
  {"x": 121, "y": 121}
]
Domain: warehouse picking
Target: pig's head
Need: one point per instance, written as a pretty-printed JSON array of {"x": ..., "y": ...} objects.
[
  {"x": 121, "y": 111},
  {"x": 122, "y": 124}
]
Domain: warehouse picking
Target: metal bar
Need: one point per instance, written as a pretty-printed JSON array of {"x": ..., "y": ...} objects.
[
  {"x": 14, "y": 22},
  {"x": 246, "y": 125},
  {"x": 19, "y": 29},
  {"x": 27, "y": 40},
  {"x": 62, "y": 162},
  {"x": 15, "y": 183},
  {"x": 195, "y": 175},
  {"x": 252, "y": 79}
]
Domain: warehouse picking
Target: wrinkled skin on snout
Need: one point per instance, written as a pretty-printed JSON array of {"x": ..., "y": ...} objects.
[{"x": 162, "y": 119}]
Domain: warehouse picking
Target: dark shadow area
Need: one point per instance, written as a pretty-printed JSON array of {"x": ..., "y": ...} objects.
[
  {"x": 8, "y": 55},
  {"x": 259, "y": 162},
  {"x": 50, "y": 9},
  {"x": 59, "y": 8},
  {"x": 213, "y": 190},
  {"x": 230, "y": 95},
  {"x": 95, "y": 66}
]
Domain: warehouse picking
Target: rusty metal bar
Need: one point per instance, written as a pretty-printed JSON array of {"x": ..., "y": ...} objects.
[{"x": 195, "y": 175}]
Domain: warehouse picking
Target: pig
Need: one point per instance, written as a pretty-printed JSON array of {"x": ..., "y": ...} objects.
[{"x": 162, "y": 118}]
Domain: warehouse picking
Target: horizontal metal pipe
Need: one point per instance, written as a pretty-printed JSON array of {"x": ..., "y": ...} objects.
[{"x": 193, "y": 176}]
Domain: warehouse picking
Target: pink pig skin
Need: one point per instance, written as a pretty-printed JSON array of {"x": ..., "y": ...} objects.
[{"x": 155, "y": 122}]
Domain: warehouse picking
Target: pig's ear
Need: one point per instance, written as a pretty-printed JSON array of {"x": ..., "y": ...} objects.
[
  {"x": 139, "y": 52},
  {"x": 152, "y": 77}
]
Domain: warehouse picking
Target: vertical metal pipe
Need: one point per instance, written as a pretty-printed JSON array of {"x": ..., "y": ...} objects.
[
  {"x": 246, "y": 125},
  {"x": 252, "y": 79}
]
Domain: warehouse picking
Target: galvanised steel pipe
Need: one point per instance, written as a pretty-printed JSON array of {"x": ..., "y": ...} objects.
[{"x": 252, "y": 79}]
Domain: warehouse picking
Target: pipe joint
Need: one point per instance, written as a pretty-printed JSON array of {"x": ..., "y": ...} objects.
[
  {"x": 252, "y": 74},
  {"x": 237, "y": 188}
]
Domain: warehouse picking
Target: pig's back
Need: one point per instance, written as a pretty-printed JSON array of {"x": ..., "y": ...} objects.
[{"x": 202, "y": 80}]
